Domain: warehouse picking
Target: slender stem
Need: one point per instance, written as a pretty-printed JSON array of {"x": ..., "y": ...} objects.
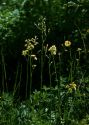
[
  {"x": 29, "y": 63},
  {"x": 27, "y": 76},
  {"x": 16, "y": 78},
  {"x": 81, "y": 36},
  {"x": 59, "y": 88},
  {"x": 41, "y": 67},
  {"x": 71, "y": 63},
  {"x": 50, "y": 73},
  {"x": 55, "y": 70},
  {"x": 30, "y": 75},
  {"x": 17, "y": 88},
  {"x": 4, "y": 78},
  {"x": 71, "y": 71},
  {"x": 42, "y": 63}
]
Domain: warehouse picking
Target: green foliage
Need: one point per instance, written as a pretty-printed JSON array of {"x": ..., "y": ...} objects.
[
  {"x": 43, "y": 108},
  {"x": 67, "y": 17},
  {"x": 62, "y": 31},
  {"x": 7, "y": 111}
]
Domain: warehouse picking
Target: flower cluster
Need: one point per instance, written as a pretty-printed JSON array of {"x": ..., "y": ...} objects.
[
  {"x": 30, "y": 44},
  {"x": 53, "y": 50},
  {"x": 72, "y": 86}
]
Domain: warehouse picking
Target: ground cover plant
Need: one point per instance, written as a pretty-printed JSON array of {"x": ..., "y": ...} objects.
[{"x": 44, "y": 54}]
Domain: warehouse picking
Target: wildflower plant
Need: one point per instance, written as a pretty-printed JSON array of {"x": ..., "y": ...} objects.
[
  {"x": 41, "y": 25},
  {"x": 68, "y": 101},
  {"x": 30, "y": 44},
  {"x": 28, "y": 53},
  {"x": 72, "y": 86},
  {"x": 53, "y": 50}
]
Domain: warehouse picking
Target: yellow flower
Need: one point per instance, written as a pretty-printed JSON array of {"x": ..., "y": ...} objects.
[
  {"x": 67, "y": 43},
  {"x": 30, "y": 46},
  {"x": 72, "y": 86},
  {"x": 79, "y": 49},
  {"x": 33, "y": 41},
  {"x": 53, "y": 50},
  {"x": 34, "y": 57},
  {"x": 25, "y": 52}
]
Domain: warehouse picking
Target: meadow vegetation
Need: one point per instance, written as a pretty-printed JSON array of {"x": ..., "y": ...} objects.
[{"x": 44, "y": 67}]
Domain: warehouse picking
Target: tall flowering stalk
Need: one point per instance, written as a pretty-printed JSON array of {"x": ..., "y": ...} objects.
[
  {"x": 42, "y": 27},
  {"x": 67, "y": 44},
  {"x": 53, "y": 51},
  {"x": 30, "y": 45}
]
